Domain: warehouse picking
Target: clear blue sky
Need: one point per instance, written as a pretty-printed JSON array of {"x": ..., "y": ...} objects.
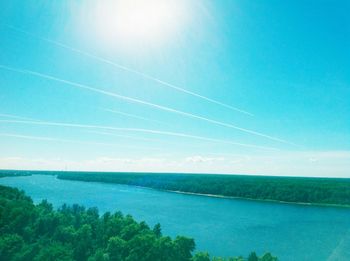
[{"x": 285, "y": 63}]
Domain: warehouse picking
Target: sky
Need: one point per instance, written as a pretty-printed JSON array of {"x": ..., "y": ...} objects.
[{"x": 233, "y": 87}]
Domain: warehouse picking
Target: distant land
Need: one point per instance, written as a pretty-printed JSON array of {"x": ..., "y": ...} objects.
[{"x": 299, "y": 190}]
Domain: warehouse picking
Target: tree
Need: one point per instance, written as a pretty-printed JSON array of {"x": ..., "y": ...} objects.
[
  {"x": 201, "y": 256},
  {"x": 10, "y": 245},
  {"x": 83, "y": 245},
  {"x": 65, "y": 234},
  {"x": 116, "y": 248},
  {"x": 184, "y": 246},
  {"x": 54, "y": 252},
  {"x": 142, "y": 248},
  {"x": 164, "y": 247},
  {"x": 253, "y": 257},
  {"x": 129, "y": 231},
  {"x": 99, "y": 256},
  {"x": 157, "y": 230},
  {"x": 268, "y": 257}
]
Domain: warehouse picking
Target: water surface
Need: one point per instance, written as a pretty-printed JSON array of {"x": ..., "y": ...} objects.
[{"x": 224, "y": 227}]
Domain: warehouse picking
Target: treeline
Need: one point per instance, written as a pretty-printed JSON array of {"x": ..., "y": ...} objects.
[
  {"x": 40, "y": 233},
  {"x": 15, "y": 173},
  {"x": 288, "y": 189}
]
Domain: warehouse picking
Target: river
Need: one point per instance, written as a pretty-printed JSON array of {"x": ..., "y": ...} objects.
[{"x": 223, "y": 227}]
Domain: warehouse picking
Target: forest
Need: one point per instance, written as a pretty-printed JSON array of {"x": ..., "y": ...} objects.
[
  {"x": 41, "y": 233},
  {"x": 322, "y": 191},
  {"x": 14, "y": 173}
]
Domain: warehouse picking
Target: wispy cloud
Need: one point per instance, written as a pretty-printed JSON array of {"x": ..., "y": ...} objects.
[
  {"x": 199, "y": 159},
  {"x": 176, "y": 134},
  {"x": 132, "y": 116},
  {"x": 41, "y": 138},
  {"x": 123, "y": 136},
  {"x": 124, "y": 68},
  {"x": 129, "y": 99},
  {"x": 16, "y": 117}
]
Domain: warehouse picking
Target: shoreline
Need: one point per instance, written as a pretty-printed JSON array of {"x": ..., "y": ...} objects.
[{"x": 259, "y": 200}]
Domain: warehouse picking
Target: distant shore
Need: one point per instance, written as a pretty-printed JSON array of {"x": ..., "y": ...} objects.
[
  {"x": 241, "y": 198},
  {"x": 222, "y": 196},
  {"x": 262, "y": 200}
]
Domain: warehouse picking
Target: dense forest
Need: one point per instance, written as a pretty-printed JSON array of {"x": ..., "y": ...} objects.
[
  {"x": 287, "y": 189},
  {"x": 38, "y": 232},
  {"x": 11, "y": 173}
]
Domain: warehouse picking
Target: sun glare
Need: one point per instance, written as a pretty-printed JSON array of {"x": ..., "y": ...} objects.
[{"x": 128, "y": 22}]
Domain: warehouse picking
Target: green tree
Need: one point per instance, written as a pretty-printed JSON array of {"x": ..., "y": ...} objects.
[
  {"x": 164, "y": 247},
  {"x": 201, "y": 256},
  {"x": 116, "y": 248},
  {"x": 184, "y": 247},
  {"x": 54, "y": 252},
  {"x": 99, "y": 256},
  {"x": 10, "y": 245},
  {"x": 157, "y": 230},
  {"x": 83, "y": 244},
  {"x": 142, "y": 248},
  {"x": 253, "y": 257},
  {"x": 268, "y": 257}
]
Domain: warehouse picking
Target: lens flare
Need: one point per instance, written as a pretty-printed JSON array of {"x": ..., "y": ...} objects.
[{"x": 131, "y": 22}]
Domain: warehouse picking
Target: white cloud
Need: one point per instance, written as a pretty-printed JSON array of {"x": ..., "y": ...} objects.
[
  {"x": 199, "y": 159},
  {"x": 308, "y": 163}
]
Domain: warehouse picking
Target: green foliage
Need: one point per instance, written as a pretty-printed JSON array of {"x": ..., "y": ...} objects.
[
  {"x": 157, "y": 230},
  {"x": 30, "y": 232},
  {"x": 201, "y": 256},
  {"x": 40, "y": 233},
  {"x": 287, "y": 189},
  {"x": 268, "y": 257},
  {"x": 116, "y": 248},
  {"x": 14, "y": 173},
  {"x": 253, "y": 257},
  {"x": 10, "y": 245},
  {"x": 54, "y": 252}
]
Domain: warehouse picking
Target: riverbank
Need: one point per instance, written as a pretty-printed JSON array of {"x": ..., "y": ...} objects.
[
  {"x": 228, "y": 197},
  {"x": 259, "y": 200}
]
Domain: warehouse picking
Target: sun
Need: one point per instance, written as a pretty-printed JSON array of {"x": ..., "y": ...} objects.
[{"x": 131, "y": 22}]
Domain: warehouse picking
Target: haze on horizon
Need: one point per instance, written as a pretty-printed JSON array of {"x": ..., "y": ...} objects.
[{"x": 242, "y": 87}]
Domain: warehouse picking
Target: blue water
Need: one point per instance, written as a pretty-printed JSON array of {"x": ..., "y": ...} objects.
[{"x": 224, "y": 227}]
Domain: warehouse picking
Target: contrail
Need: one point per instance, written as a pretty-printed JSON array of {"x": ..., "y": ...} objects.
[
  {"x": 132, "y": 116},
  {"x": 160, "y": 107},
  {"x": 16, "y": 117},
  {"x": 176, "y": 134},
  {"x": 123, "y": 136},
  {"x": 124, "y": 68},
  {"x": 70, "y": 141},
  {"x": 131, "y": 137}
]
